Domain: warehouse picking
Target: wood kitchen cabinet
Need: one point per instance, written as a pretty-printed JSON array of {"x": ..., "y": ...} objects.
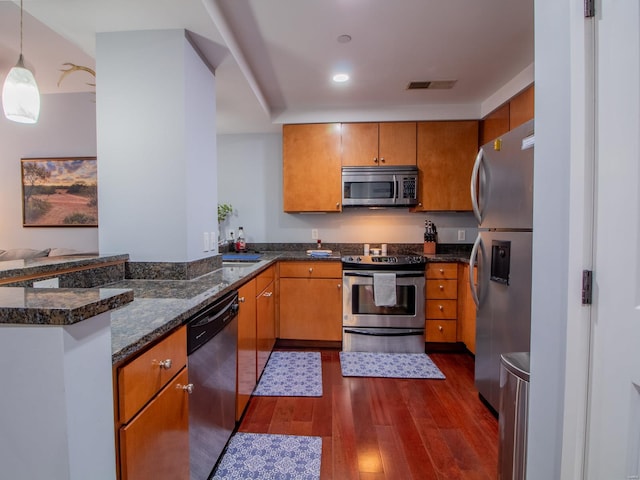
[
  {"x": 521, "y": 108},
  {"x": 446, "y": 153},
  {"x": 495, "y": 124},
  {"x": 247, "y": 345},
  {"x": 441, "y": 300},
  {"x": 265, "y": 318},
  {"x": 152, "y": 412},
  {"x": 377, "y": 144},
  {"x": 311, "y": 168},
  {"x": 311, "y": 300},
  {"x": 515, "y": 112},
  {"x": 466, "y": 308}
]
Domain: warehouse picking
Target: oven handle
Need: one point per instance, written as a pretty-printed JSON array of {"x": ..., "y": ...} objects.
[
  {"x": 370, "y": 275},
  {"x": 374, "y": 333}
]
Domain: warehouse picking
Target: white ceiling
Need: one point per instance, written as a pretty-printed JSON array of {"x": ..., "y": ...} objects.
[{"x": 274, "y": 58}]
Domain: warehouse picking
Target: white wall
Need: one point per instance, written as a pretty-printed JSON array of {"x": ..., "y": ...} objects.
[
  {"x": 156, "y": 142},
  {"x": 66, "y": 128},
  {"x": 250, "y": 179}
]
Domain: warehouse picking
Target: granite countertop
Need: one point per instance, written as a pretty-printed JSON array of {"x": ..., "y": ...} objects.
[
  {"x": 10, "y": 269},
  {"x": 160, "y": 306},
  {"x": 58, "y": 306}
]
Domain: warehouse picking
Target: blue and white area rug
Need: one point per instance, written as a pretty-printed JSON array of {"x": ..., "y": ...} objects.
[
  {"x": 267, "y": 456},
  {"x": 392, "y": 365},
  {"x": 291, "y": 374}
]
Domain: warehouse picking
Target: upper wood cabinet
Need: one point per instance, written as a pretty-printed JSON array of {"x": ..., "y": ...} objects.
[
  {"x": 521, "y": 108},
  {"x": 378, "y": 144},
  {"x": 515, "y": 112},
  {"x": 446, "y": 152},
  {"x": 311, "y": 168}
]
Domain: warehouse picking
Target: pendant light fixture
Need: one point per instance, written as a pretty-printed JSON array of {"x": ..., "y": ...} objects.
[{"x": 20, "y": 95}]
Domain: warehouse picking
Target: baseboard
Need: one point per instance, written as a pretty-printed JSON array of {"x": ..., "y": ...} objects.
[{"x": 320, "y": 344}]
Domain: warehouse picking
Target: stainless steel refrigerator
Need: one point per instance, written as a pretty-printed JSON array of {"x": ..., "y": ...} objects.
[{"x": 502, "y": 196}]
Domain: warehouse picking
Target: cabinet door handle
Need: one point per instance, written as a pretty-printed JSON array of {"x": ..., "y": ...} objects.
[
  {"x": 382, "y": 160},
  {"x": 165, "y": 364},
  {"x": 375, "y": 160},
  {"x": 187, "y": 388},
  {"x": 241, "y": 299},
  {"x": 337, "y": 206},
  {"x": 339, "y": 286},
  {"x": 267, "y": 294}
]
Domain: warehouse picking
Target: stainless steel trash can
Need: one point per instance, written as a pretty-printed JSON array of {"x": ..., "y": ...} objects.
[{"x": 513, "y": 415}]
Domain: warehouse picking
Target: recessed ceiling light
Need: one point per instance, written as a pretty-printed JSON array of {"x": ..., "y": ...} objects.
[{"x": 340, "y": 77}]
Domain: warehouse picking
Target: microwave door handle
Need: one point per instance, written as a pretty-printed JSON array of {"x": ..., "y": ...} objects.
[{"x": 395, "y": 189}]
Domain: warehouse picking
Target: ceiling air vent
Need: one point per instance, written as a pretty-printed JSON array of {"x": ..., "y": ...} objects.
[{"x": 432, "y": 85}]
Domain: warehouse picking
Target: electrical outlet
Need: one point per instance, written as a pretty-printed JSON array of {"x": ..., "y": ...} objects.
[
  {"x": 205, "y": 241},
  {"x": 314, "y": 234},
  {"x": 461, "y": 235}
]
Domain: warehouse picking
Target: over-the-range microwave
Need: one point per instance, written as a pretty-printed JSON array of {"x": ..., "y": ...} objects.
[{"x": 386, "y": 186}]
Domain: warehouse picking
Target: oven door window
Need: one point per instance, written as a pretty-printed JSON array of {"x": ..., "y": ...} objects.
[
  {"x": 369, "y": 190},
  {"x": 363, "y": 303}
]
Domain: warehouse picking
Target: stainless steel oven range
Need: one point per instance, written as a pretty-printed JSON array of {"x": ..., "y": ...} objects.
[{"x": 383, "y": 304}]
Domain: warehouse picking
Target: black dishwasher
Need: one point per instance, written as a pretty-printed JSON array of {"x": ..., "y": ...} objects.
[{"x": 211, "y": 348}]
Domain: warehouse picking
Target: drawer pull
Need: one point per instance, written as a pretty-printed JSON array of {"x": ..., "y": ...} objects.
[
  {"x": 441, "y": 307},
  {"x": 166, "y": 364},
  {"x": 187, "y": 388},
  {"x": 339, "y": 286},
  {"x": 241, "y": 299},
  {"x": 310, "y": 270},
  {"x": 440, "y": 328},
  {"x": 441, "y": 287},
  {"x": 442, "y": 270}
]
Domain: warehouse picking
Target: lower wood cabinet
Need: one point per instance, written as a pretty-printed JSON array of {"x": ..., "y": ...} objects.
[
  {"x": 265, "y": 318},
  {"x": 441, "y": 301},
  {"x": 152, "y": 412},
  {"x": 247, "y": 345},
  {"x": 311, "y": 300},
  {"x": 466, "y": 308}
]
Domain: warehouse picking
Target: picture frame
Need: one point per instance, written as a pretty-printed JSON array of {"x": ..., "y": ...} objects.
[{"x": 59, "y": 192}]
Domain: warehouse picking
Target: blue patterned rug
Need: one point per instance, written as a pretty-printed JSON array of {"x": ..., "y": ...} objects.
[
  {"x": 291, "y": 374},
  {"x": 266, "y": 456},
  {"x": 393, "y": 365}
]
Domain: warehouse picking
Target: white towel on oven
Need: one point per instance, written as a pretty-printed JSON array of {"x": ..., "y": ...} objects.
[{"x": 384, "y": 289}]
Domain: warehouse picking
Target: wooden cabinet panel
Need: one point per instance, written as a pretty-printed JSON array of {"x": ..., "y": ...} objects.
[
  {"x": 156, "y": 443},
  {"x": 521, "y": 108},
  {"x": 397, "y": 143},
  {"x": 441, "y": 331},
  {"x": 265, "y": 326},
  {"x": 311, "y": 168},
  {"x": 438, "y": 308},
  {"x": 360, "y": 144},
  {"x": 442, "y": 289},
  {"x": 495, "y": 124},
  {"x": 265, "y": 278},
  {"x": 441, "y": 270},
  {"x": 324, "y": 269},
  {"x": 446, "y": 152},
  {"x": 466, "y": 310},
  {"x": 311, "y": 308},
  {"x": 140, "y": 379},
  {"x": 246, "y": 345},
  {"x": 377, "y": 144}
]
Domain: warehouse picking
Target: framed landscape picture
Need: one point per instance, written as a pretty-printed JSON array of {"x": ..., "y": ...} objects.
[{"x": 59, "y": 192}]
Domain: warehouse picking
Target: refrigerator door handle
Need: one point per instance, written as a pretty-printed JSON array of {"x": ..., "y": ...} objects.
[
  {"x": 472, "y": 261},
  {"x": 474, "y": 186}
]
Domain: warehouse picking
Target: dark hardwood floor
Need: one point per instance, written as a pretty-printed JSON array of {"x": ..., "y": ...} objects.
[{"x": 382, "y": 428}]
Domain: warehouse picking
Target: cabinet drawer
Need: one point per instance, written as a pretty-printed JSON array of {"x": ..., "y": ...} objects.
[
  {"x": 442, "y": 270},
  {"x": 155, "y": 444},
  {"x": 143, "y": 377},
  {"x": 440, "y": 331},
  {"x": 442, "y": 289},
  {"x": 442, "y": 309},
  {"x": 311, "y": 269},
  {"x": 265, "y": 278}
]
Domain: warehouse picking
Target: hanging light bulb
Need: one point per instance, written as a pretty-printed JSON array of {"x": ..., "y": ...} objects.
[{"x": 20, "y": 95}]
